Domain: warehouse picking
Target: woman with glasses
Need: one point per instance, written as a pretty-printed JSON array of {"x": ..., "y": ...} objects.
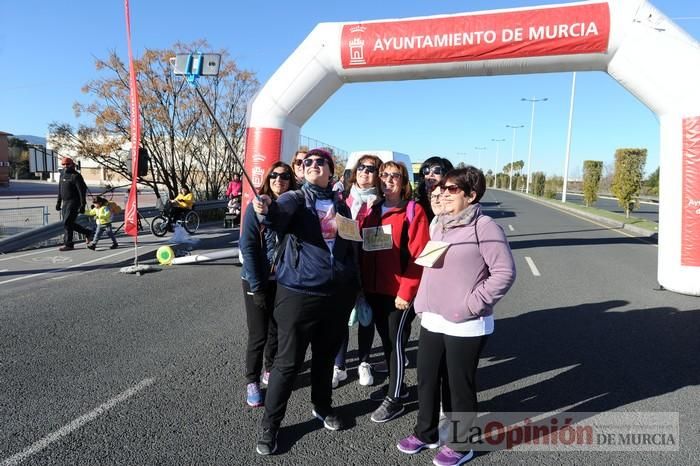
[
  {"x": 455, "y": 299},
  {"x": 394, "y": 233},
  {"x": 431, "y": 172},
  {"x": 257, "y": 245},
  {"x": 317, "y": 283},
  {"x": 364, "y": 193},
  {"x": 297, "y": 162}
]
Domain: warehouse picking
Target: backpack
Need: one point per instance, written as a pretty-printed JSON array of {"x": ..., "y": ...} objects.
[{"x": 114, "y": 208}]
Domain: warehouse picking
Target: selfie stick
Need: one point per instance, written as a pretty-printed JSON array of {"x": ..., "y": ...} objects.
[{"x": 194, "y": 71}]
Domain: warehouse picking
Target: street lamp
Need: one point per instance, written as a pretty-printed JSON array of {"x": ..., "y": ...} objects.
[
  {"x": 512, "y": 155},
  {"x": 568, "y": 139},
  {"x": 479, "y": 149},
  {"x": 498, "y": 149},
  {"x": 532, "y": 127}
]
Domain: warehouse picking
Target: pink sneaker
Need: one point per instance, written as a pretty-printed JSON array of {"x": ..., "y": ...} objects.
[
  {"x": 412, "y": 444},
  {"x": 448, "y": 457}
]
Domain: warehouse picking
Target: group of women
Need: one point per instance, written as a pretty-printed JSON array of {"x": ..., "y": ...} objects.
[{"x": 303, "y": 274}]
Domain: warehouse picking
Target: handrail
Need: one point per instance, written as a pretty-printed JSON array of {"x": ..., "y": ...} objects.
[{"x": 52, "y": 230}]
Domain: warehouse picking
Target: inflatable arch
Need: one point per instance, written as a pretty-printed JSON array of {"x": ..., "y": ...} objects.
[{"x": 631, "y": 40}]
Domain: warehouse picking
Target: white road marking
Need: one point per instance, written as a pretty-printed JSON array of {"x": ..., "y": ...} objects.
[
  {"x": 533, "y": 267},
  {"x": 4, "y": 270},
  {"x": 510, "y": 227},
  {"x": 23, "y": 255},
  {"x": 34, "y": 275},
  {"x": 76, "y": 424}
]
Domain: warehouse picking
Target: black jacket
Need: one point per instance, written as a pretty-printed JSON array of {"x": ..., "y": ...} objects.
[{"x": 72, "y": 188}]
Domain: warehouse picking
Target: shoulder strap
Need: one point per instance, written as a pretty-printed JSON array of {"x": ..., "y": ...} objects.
[
  {"x": 410, "y": 210},
  {"x": 476, "y": 233}
]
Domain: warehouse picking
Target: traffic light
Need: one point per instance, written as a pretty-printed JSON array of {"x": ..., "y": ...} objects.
[{"x": 143, "y": 162}]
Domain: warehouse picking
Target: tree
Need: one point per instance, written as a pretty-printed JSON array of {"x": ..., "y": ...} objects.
[
  {"x": 592, "y": 171},
  {"x": 18, "y": 157},
  {"x": 182, "y": 140},
  {"x": 627, "y": 180},
  {"x": 652, "y": 183},
  {"x": 538, "y": 182}
]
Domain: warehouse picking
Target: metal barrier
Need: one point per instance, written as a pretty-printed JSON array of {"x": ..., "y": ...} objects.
[
  {"x": 19, "y": 219},
  {"x": 47, "y": 234}
]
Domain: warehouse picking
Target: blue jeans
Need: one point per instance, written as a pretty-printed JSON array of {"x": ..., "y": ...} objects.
[{"x": 100, "y": 229}]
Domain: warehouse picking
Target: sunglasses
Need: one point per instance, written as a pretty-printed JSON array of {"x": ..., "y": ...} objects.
[
  {"x": 318, "y": 162},
  {"x": 285, "y": 176},
  {"x": 452, "y": 189},
  {"x": 298, "y": 162},
  {"x": 435, "y": 170},
  {"x": 393, "y": 176},
  {"x": 366, "y": 168}
]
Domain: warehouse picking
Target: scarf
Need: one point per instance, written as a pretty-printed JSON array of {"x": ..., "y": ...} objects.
[
  {"x": 361, "y": 196},
  {"x": 318, "y": 192},
  {"x": 464, "y": 217}
]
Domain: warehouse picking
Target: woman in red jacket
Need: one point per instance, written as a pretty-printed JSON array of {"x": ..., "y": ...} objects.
[{"x": 394, "y": 233}]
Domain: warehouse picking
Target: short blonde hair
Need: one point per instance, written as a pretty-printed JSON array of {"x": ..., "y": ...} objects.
[{"x": 406, "y": 190}]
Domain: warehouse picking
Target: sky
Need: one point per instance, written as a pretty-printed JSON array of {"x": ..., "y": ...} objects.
[{"x": 48, "y": 49}]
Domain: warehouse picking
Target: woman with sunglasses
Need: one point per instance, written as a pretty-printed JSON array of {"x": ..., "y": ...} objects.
[
  {"x": 317, "y": 282},
  {"x": 257, "y": 245},
  {"x": 431, "y": 172},
  {"x": 394, "y": 233},
  {"x": 364, "y": 193},
  {"x": 455, "y": 299}
]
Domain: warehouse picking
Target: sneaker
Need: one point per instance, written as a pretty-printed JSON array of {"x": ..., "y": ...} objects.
[
  {"x": 448, "y": 457},
  {"x": 265, "y": 377},
  {"x": 365, "y": 373},
  {"x": 338, "y": 376},
  {"x": 114, "y": 246},
  {"x": 267, "y": 442},
  {"x": 330, "y": 421},
  {"x": 254, "y": 395},
  {"x": 387, "y": 411},
  {"x": 381, "y": 394},
  {"x": 66, "y": 248},
  {"x": 412, "y": 444},
  {"x": 91, "y": 246}
]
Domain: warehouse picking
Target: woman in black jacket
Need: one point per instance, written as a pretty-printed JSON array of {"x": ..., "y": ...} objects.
[
  {"x": 317, "y": 285},
  {"x": 257, "y": 244}
]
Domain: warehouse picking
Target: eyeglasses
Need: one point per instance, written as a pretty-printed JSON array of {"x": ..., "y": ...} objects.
[
  {"x": 319, "y": 162},
  {"x": 394, "y": 176},
  {"x": 435, "y": 197},
  {"x": 298, "y": 162},
  {"x": 452, "y": 189},
  {"x": 435, "y": 170},
  {"x": 366, "y": 168},
  {"x": 285, "y": 176}
]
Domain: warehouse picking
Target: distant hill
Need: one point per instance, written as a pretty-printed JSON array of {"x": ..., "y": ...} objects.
[{"x": 32, "y": 139}]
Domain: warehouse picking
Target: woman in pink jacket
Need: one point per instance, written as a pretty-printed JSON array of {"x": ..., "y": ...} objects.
[{"x": 455, "y": 299}]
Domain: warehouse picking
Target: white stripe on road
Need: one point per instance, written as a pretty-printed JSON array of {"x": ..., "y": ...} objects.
[
  {"x": 4, "y": 270},
  {"x": 533, "y": 267},
  {"x": 510, "y": 227},
  {"x": 76, "y": 424},
  {"x": 34, "y": 275},
  {"x": 23, "y": 255}
]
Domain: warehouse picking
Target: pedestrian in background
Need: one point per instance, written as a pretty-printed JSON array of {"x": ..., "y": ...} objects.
[
  {"x": 455, "y": 299},
  {"x": 316, "y": 289},
  {"x": 71, "y": 202},
  {"x": 257, "y": 244},
  {"x": 103, "y": 219}
]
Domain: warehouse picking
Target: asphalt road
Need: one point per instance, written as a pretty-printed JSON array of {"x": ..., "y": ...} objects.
[
  {"x": 646, "y": 210},
  {"x": 98, "y": 367}
]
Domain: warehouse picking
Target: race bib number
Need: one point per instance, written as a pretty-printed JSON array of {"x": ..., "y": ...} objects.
[{"x": 377, "y": 238}]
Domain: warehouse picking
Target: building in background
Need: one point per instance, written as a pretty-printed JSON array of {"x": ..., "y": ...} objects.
[{"x": 4, "y": 159}]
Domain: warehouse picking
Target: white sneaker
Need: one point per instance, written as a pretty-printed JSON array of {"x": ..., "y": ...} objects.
[
  {"x": 338, "y": 376},
  {"x": 365, "y": 373}
]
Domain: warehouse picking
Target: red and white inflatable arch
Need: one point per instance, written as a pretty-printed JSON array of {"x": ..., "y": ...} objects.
[{"x": 629, "y": 39}]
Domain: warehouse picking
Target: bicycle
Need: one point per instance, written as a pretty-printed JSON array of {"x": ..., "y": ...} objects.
[{"x": 163, "y": 222}]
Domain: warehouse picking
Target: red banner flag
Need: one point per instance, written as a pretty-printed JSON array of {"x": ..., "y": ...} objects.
[{"x": 131, "y": 210}]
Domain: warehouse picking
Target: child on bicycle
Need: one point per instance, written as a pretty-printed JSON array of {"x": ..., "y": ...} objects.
[{"x": 103, "y": 218}]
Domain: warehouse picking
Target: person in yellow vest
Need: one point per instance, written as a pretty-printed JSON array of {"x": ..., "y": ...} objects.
[
  {"x": 103, "y": 218},
  {"x": 182, "y": 204}
]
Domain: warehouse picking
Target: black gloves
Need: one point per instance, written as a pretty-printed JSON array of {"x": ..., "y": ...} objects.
[
  {"x": 58, "y": 205},
  {"x": 259, "y": 300}
]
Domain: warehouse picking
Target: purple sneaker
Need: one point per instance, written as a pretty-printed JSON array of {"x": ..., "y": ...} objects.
[
  {"x": 253, "y": 395},
  {"x": 412, "y": 444},
  {"x": 448, "y": 457}
]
